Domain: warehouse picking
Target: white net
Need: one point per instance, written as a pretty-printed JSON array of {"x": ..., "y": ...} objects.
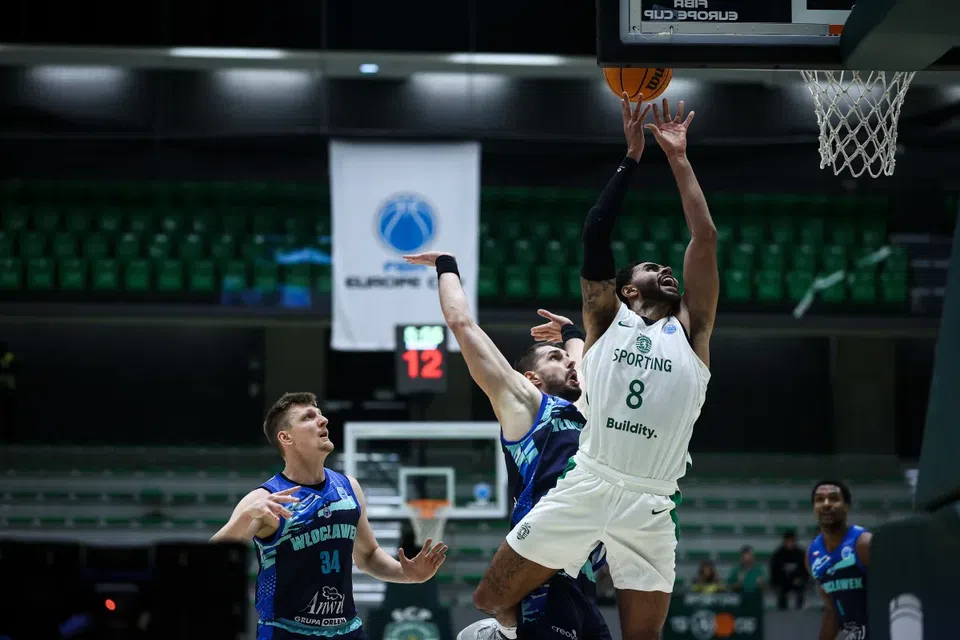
[
  {"x": 858, "y": 114},
  {"x": 428, "y": 517}
]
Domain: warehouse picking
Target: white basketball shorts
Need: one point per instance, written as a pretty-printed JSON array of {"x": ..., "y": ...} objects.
[{"x": 637, "y": 529}]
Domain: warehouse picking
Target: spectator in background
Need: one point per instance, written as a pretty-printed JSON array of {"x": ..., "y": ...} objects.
[
  {"x": 746, "y": 577},
  {"x": 707, "y": 580},
  {"x": 787, "y": 571}
]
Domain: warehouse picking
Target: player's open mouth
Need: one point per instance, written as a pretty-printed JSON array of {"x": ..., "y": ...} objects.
[
  {"x": 668, "y": 281},
  {"x": 573, "y": 378}
]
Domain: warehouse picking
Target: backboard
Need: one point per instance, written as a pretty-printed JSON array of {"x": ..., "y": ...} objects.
[
  {"x": 396, "y": 462},
  {"x": 732, "y": 34}
]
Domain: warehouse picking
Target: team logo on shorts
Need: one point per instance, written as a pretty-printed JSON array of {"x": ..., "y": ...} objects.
[
  {"x": 643, "y": 344},
  {"x": 406, "y": 222},
  {"x": 523, "y": 531}
]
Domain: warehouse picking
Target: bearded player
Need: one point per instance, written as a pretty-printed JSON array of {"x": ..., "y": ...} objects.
[
  {"x": 645, "y": 373},
  {"x": 837, "y": 559},
  {"x": 539, "y": 432}
]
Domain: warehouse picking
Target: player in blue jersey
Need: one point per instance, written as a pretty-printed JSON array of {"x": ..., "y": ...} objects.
[
  {"x": 837, "y": 560},
  {"x": 310, "y": 528},
  {"x": 539, "y": 431}
]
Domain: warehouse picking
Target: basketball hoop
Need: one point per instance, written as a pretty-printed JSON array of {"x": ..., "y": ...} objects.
[
  {"x": 858, "y": 117},
  {"x": 428, "y": 518}
]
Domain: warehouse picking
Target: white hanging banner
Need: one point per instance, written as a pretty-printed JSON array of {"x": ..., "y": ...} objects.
[{"x": 389, "y": 200}]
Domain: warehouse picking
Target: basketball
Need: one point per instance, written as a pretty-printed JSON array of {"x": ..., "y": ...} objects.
[{"x": 640, "y": 84}]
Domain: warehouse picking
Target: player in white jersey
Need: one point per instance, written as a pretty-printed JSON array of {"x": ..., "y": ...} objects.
[{"x": 645, "y": 373}]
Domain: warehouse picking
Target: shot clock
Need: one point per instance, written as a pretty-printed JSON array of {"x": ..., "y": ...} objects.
[{"x": 421, "y": 357}]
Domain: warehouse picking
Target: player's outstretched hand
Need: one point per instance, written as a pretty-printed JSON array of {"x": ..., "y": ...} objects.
[
  {"x": 633, "y": 125},
  {"x": 428, "y": 258},
  {"x": 425, "y": 564},
  {"x": 549, "y": 331},
  {"x": 269, "y": 509},
  {"x": 670, "y": 132}
]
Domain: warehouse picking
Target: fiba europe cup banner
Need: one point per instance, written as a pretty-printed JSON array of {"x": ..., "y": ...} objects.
[{"x": 389, "y": 200}]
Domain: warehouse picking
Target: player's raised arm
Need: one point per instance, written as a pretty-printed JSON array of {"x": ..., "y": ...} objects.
[
  {"x": 515, "y": 399},
  {"x": 701, "y": 280},
  {"x": 257, "y": 514},
  {"x": 598, "y": 272}
]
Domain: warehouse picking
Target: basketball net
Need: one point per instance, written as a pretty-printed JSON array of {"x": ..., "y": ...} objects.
[
  {"x": 428, "y": 518},
  {"x": 858, "y": 116}
]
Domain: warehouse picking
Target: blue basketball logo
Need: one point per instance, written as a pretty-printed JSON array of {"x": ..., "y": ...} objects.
[
  {"x": 406, "y": 222},
  {"x": 669, "y": 328}
]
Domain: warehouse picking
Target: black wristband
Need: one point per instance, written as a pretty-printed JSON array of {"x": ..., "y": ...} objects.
[
  {"x": 572, "y": 332},
  {"x": 447, "y": 264}
]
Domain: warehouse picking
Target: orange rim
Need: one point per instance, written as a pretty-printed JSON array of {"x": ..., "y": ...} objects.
[{"x": 427, "y": 508}]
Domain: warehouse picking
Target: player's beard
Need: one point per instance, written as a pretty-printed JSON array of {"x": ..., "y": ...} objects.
[
  {"x": 565, "y": 390},
  {"x": 653, "y": 292}
]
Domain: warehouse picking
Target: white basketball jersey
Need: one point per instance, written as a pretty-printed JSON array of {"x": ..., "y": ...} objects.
[{"x": 643, "y": 388}]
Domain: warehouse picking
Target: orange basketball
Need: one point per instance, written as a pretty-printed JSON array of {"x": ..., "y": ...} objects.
[{"x": 640, "y": 84}]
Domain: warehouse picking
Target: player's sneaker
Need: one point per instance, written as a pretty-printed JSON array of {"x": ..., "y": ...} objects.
[{"x": 486, "y": 629}]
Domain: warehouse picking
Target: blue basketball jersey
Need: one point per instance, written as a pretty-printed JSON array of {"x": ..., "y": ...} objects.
[
  {"x": 844, "y": 579},
  {"x": 305, "y": 583},
  {"x": 534, "y": 464}
]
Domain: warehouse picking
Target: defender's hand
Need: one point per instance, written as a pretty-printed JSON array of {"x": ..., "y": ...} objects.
[
  {"x": 549, "y": 331},
  {"x": 671, "y": 133},
  {"x": 428, "y": 258}
]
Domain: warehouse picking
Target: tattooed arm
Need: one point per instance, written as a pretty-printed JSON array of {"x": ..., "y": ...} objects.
[{"x": 598, "y": 273}]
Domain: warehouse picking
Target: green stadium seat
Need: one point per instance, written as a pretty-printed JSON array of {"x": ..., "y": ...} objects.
[
  {"x": 555, "y": 253},
  {"x": 64, "y": 245},
  {"x": 540, "y": 230},
  {"x": 137, "y": 276},
  {"x": 128, "y": 246},
  {"x": 715, "y": 503},
  {"x": 492, "y": 253},
  {"x": 202, "y": 276},
  {"x": 675, "y": 255},
  {"x": 737, "y": 285},
  {"x": 171, "y": 223},
  {"x": 95, "y": 246},
  {"x": 771, "y": 257},
  {"x": 754, "y": 529},
  {"x": 693, "y": 529},
  {"x": 769, "y": 285},
  {"x": 621, "y": 253},
  {"x": 835, "y": 258},
  {"x": 725, "y": 231},
  {"x": 783, "y": 230},
  {"x": 842, "y": 231},
  {"x": 752, "y": 231},
  {"x": 718, "y": 529},
  {"x": 141, "y": 222},
  {"x": 169, "y": 275},
  {"x": 11, "y": 274},
  {"x": 265, "y": 222},
  {"x": 33, "y": 244},
  {"x": 297, "y": 275},
  {"x": 524, "y": 252},
  {"x": 73, "y": 274},
  {"x": 660, "y": 230},
  {"x": 549, "y": 283},
  {"x": 649, "y": 252},
  {"x": 203, "y": 223},
  {"x": 897, "y": 262},
  {"x": 487, "y": 285},
  {"x": 266, "y": 276},
  {"x": 110, "y": 221},
  {"x": 235, "y": 276},
  {"x": 894, "y": 288},
  {"x": 255, "y": 249},
  {"x": 46, "y": 220},
  {"x": 741, "y": 257},
  {"x": 837, "y": 294},
  {"x": 297, "y": 225},
  {"x": 322, "y": 278},
  {"x": 863, "y": 286},
  {"x": 779, "y": 505},
  {"x": 573, "y": 284},
  {"x": 78, "y": 221},
  {"x": 223, "y": 247},
  {"x": 6, "y": 245},
  {"x": 811, "y": 231},
  {"x": 191, "y": 247},
  {"x": 517, "y": 285},
  {"x": 40, "y": 274},
  {"x": 804, "y": 258},
  {"x": 631, "y": 231},
  {"x": 873, "y": 232},
  {"x": 106, "y": 275},
  {"x": 159, "y": 247},
  {"x": 15, "y": 220},
  {"x": 798, "y": 283}
]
